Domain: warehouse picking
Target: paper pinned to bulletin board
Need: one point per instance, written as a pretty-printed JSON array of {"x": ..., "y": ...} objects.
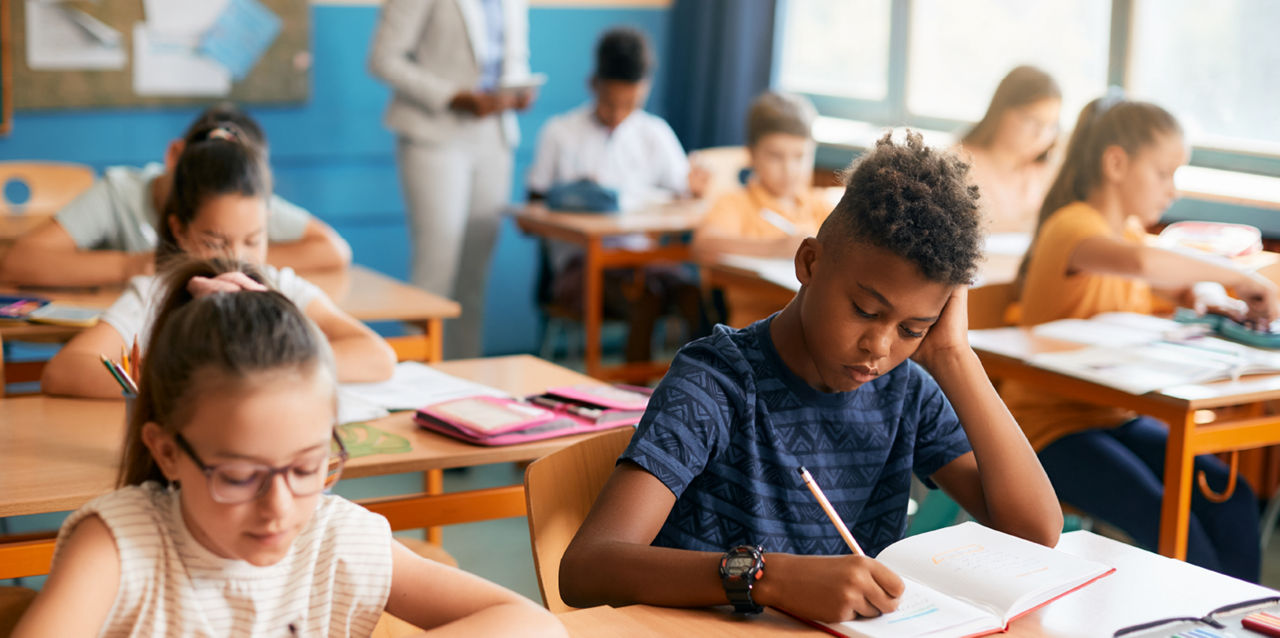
[{"x": 89, "y": 53}]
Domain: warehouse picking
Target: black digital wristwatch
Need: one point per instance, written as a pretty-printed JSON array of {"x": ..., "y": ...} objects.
[{"x": 740, "y": 568}]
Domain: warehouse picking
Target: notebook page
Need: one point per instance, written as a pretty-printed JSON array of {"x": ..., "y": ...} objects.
[
  {"x": 414, "y": 385},
  {"x": 992, "y": 569},
  {"x": 922, "y": 611}
]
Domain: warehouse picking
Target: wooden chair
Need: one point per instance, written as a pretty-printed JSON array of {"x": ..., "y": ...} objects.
[
  {"x": 559, "y": 490},
  {"x": 989, "y": 305},
  {"x": 51, "y": 185},
  {"x": 726, "y": 164},
  {"x": 13, "y": 603}
]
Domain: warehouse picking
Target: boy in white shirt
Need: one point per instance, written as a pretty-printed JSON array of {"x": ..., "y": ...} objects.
[{"x": 613, "y": 142}]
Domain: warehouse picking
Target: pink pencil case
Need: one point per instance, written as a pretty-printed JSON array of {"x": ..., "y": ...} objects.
[{"x": 501, "y": 421}]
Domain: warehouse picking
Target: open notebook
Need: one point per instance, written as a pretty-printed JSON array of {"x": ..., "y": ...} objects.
[
  {"x": 970, "y": 580},
  {"x": 1138, "y": 354}
]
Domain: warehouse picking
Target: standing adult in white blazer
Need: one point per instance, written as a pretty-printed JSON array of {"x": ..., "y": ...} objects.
[{"x": 445, "y": 60}]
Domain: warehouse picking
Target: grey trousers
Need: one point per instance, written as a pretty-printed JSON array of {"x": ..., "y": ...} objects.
[{"x": 455, "y": 195}]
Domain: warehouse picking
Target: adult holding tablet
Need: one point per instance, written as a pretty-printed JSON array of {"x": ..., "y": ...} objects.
[{"x": 458, "y": 69}]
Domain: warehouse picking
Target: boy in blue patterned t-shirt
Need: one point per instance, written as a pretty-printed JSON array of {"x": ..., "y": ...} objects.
[{"x": 825, "y": 383}]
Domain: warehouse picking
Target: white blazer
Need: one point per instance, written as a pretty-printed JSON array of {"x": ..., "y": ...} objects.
[{"x": 429, "y": 50}]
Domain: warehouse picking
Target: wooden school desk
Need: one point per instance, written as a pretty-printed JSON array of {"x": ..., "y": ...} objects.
[
  {"x": 1144, "y": 587},
  {"x": 1005, "y": 354},
  {"x": 57, "y": 454},
  {"x": 365, "y": 294},
  {"x": 589, "y": 231}
]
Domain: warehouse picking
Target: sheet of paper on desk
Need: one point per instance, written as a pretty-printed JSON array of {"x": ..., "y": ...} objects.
[
  {"x": 1007, "y": 243},
  {"x": 1145, "y": 587},
  {"x": 1138, "y": 369},
  {"x": 414, "y": 385},
  {"x": 778, "y": 271},
  {"x": 61, "y": 37},
  {"x": 1115, "y": 329}
]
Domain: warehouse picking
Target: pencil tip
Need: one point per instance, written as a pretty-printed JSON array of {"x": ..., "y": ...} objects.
[{"x": 800, "y": 469}]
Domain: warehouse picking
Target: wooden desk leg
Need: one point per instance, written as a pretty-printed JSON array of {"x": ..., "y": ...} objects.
[
  {"x": 593, "y": 305},
  {"x": 433, "y": 332},
  {"x": 433, "y": 484},
  {"x": 1175, "y": 511}
]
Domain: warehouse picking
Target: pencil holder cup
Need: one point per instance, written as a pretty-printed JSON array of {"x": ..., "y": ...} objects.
[{"x": 129, "y": 400}]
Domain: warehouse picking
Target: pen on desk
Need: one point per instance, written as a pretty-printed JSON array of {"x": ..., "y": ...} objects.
[
  {"x": 831, "y": 512},
  {"x": 577, "y": 410}
]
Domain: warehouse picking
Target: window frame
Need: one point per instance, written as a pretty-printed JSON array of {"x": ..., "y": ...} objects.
[{"x": 893, "y": 111}]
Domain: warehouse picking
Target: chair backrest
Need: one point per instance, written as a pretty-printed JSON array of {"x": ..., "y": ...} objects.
[
  {"x": 989, "y": 305},
  {"x": 559, "y": 490},
  {"x": 726, "y": 164},
  {"x": 51, "y": 185}
]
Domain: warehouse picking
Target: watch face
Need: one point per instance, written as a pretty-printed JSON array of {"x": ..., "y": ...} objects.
[{"x": 739, "y": 564}]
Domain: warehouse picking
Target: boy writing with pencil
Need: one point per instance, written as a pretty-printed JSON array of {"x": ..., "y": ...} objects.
[{"x": 706, "y": 507}]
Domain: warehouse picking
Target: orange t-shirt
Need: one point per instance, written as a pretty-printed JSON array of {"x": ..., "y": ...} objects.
[
  {"x": 1049, "y": 293},
  {"x": 752, "y": 213}
]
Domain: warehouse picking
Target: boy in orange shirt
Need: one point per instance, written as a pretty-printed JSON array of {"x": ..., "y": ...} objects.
[{"x": 778, "y": 207}]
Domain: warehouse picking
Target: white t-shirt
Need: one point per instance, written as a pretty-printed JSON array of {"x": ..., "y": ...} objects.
[
  {"x": 116, "y": 213},
  {"x": 640, "y": 158},
  {"x": 334, "y": 581},
  {"x": 133, "y": 312}
]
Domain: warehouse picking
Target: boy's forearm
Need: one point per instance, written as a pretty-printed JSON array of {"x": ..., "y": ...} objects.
[
  {"x": 619, "y": 573},
  {"x": 1018, "y": 495}
]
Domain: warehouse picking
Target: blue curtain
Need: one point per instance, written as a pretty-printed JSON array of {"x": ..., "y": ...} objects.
[{"x": 719, "y": 56}]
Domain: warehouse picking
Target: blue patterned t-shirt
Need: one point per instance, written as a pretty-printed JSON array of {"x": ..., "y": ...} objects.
[{"x": 730, "y": 423}]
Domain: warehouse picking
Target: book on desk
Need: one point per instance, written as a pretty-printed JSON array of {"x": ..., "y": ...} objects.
[
  {"x": 483, "y": 415},
  {"x": 1139, "y": 353},
  {"x": 970, "y": 580}
]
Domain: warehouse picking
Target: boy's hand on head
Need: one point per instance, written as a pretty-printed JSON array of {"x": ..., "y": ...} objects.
[
  {"x": 828, "y": 588},
  {"x": 950, "y": 334},
  {"x": 226, "y": 282}
]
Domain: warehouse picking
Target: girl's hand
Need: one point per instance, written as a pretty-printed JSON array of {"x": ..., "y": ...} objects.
[
  {"x": 226, "y": 282},
  {"x": 950, "y": 334},
  {"x": 1262, "y": 300}
]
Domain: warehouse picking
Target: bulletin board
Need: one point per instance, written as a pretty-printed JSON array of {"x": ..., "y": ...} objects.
[
  {"x": 282, "y": 74},
  {"x": 6, "y": 71}
]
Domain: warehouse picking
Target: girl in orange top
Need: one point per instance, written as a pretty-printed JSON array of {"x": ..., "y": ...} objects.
[{"x": 1088, "y": 257}]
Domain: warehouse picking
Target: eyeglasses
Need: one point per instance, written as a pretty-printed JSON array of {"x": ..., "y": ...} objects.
[
  {"x": 1210, "y": 618},
  {"x": 241, "y": 481}
]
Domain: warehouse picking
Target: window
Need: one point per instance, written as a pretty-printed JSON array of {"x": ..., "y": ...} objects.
[
  {"x": 933, "y": 64},
  {"x": 1215, "y": 66},
  {"x": 959, "y": 51},
  {"x": 825, "y": 58}
]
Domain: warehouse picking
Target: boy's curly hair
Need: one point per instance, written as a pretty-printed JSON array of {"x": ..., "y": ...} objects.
[{"x": 914, "y": 202}]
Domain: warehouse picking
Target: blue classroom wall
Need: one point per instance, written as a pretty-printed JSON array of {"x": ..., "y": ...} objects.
[{"x": 332, "y": 156}]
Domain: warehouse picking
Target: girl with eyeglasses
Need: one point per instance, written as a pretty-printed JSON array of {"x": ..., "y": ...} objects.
[
  {"x": 1010, "y": 150},
  {"x": 221, "y": 525}
]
